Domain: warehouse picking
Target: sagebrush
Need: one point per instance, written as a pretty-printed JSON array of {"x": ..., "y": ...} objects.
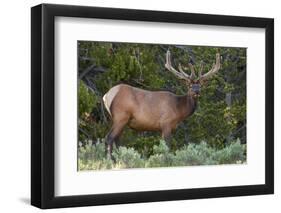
[{"x": 93, "y": 157}]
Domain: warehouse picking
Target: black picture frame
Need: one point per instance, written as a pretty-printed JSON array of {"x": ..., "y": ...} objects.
[{"x": 43, "y": 105}]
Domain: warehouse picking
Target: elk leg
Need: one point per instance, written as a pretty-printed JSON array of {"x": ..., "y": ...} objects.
[
  {"x": 166, "y": 135},
  {"x": 108, "y": 143},
  {"x": 117, "y": 142},
  {"x": 114, "y": 134}
]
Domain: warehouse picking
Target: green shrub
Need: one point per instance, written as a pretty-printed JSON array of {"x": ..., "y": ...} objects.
[
  {"x": 91, "y": 152},
  {"x": 92, "y": 157},
  {"x": 142, "y": 144},
  {"x": 162, "y": 148},
  {"x": 95, "y": 165},
  {"x": 193, "y": 154},
  {"x": 161, "y": 156},
  {"x": 87, "y": 100},
  {"x": 234, "y": 153},
  {"x": 160, "y": 160},
  {"x": 127, "y": 158}
]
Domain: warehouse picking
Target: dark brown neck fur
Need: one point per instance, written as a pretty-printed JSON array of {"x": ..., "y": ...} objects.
[{"x": 187, "y": 104}]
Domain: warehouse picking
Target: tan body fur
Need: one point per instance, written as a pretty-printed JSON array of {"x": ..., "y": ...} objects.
[{"x": 146, "y": 110}]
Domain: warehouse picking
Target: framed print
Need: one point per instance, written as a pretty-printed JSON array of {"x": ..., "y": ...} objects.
[{"x": 140, "y": 106}]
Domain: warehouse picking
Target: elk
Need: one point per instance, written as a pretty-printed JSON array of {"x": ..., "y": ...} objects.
[{"x": 161, "y": 111}]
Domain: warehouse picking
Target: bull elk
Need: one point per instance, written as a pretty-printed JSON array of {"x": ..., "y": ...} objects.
[{"x": 154, "y": 110}]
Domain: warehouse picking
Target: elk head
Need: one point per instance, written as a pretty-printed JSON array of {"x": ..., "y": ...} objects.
[{"x": 193, "y": 83}]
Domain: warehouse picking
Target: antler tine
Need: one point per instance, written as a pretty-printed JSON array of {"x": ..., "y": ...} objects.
[
  {"x": 169, "y": 67},
  {"x": 201, "y": 69},
  {"x": 181, "y": 70},
  {"x": 192, "y": 76},
  {"x": 214, "y": 70}
]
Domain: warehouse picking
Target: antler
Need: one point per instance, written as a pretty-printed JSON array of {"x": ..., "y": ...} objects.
[
  {"x": 214, "y": 70},
  {"x": 180, "y": 74},
  {"x": 201, "y": 69},
  {"x": 192, "y": 76}
]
